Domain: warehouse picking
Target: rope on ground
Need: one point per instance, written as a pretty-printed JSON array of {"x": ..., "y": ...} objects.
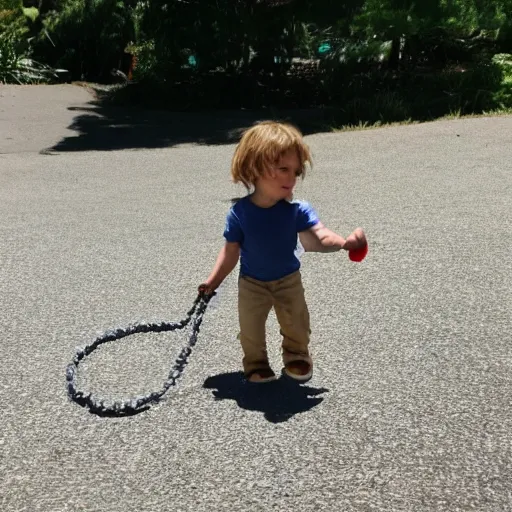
[{"x": 134, "y": 405}]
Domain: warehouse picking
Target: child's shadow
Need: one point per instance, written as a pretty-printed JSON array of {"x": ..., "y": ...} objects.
[{"x": 278, "y": 400}]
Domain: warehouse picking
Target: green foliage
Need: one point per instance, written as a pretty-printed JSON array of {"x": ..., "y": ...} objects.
[
  {"x": 16, "y": 66},
  {"x": 31, "y": 13},
  {"x": 381, "y": 60},
  {"x": 504, "y": 60},
  {"x": 87, "y": 37},
  {"x": 217, "y": 33},
  {"x": 382, "y": 97},
  {"x": 384, "y": 21},
  {"x": 237, "y": 35},
  {"x": 9, "y": 59},
  {"x": 503, "y": 96},
  {"x": 13, "y": 23},
  {"x": 22, "y": 70}
]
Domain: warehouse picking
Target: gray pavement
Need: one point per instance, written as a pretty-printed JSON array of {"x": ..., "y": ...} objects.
[{"x": 410, "y": 406}]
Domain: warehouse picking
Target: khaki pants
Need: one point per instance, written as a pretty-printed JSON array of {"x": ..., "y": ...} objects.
[{"x": 255, "y": 300}]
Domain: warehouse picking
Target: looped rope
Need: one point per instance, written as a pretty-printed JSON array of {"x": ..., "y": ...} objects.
[{"x": 139, "y": 403}]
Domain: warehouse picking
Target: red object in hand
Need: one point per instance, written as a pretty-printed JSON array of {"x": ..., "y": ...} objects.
[{"x": 358, "y": 254}]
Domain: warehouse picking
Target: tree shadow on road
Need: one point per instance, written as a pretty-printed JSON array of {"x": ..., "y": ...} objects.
[
  {"x": 101, "y": 127},
  {"x": 278, "y": 401}
]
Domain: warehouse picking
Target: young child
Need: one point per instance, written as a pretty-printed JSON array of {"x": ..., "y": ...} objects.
[{"x": 261, "y": 230}]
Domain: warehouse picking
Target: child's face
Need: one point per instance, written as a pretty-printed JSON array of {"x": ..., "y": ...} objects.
[{"x": 279, "y": 181}]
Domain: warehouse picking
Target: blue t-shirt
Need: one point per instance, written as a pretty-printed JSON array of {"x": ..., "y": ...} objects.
[{"x": 268, "y": 236}]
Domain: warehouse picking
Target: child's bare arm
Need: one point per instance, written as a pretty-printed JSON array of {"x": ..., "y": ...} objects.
[
  {"x": 226, "y": 262},
  {"x": 310, "y": 241},
  {"x": 320, "y": 239}
]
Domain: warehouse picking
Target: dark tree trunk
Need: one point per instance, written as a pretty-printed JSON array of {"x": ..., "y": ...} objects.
[{"x": 394, "y": 57}]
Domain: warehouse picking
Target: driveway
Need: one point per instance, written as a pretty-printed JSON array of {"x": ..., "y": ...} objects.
[{"x": 110, "y": 217}]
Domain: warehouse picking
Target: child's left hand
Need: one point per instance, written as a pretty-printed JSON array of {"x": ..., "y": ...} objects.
[
  {"x": 356, "y": 245},
  {"x": 355, "y": 241}
]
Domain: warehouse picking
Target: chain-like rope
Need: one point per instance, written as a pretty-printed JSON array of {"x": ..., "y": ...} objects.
[{"x": 139, "y": 403}]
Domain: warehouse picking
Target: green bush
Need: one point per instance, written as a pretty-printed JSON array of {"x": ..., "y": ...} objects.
[
  {"x": 87, "y": 37},
  {"x": 18, "y": 69},
  {"x": 16, "y": 64},
  {"x": 379, "y": 97},
  {"x": 13, "y": 29},
  {"x": 503, "y": 97}
]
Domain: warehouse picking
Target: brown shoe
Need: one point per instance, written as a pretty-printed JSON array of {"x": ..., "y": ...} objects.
[
  {"x": 299, "y": 370},
  {"x": 261, "y": 376}
]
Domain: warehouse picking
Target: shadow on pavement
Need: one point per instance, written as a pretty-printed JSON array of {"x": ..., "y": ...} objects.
[
  {"x": 102, "y": 128},
  {"x": 278, "y": 400}
]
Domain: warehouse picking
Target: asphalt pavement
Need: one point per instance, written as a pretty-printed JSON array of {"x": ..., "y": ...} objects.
[{"x": 110, "y": 217}]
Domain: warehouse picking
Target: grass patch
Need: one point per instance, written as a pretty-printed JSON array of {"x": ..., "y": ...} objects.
[
  {"x": 451, "y": 116},
  {"x": 371, "y": 126}
]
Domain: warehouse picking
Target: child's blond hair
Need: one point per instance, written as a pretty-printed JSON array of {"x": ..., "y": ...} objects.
[{"x": 261, "y": 146}]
